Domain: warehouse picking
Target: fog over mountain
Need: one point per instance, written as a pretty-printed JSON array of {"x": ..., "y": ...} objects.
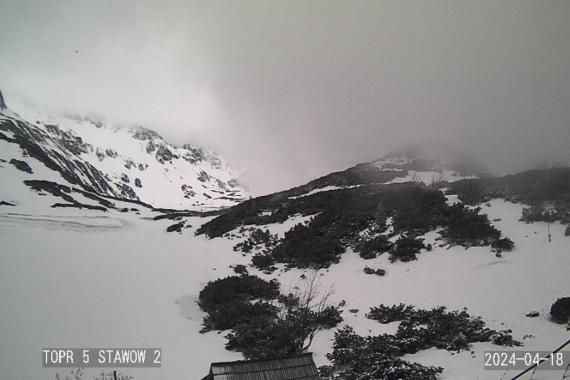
[{"x": 295, "y": 90}]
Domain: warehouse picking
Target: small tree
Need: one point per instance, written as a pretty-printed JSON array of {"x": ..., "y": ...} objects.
[
  {"x": 292, "y": 330},
  {"x": 310, "y": 313}
]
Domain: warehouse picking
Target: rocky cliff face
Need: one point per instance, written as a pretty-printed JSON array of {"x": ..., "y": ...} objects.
[
  {"x": 121, "y": 161},
  {"x": 2, "y": 104}
]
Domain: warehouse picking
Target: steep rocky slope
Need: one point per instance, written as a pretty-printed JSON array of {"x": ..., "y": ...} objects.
[{"x": 127, "y": 162}]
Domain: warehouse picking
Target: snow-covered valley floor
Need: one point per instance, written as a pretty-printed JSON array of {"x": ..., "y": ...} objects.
[{"x": 81, "y": 280}]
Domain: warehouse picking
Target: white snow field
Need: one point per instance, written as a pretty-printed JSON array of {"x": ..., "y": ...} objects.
[
  {"x": 80, "y": 278},
  {"x": 87, "y": 281}
]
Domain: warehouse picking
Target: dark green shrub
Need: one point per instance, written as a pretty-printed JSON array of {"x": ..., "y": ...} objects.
[
  {"x": 369, "y": 358},
  {"x": 230, "y": 314},
  {"x": 263, "y": 261},
  {"x": 451, "y": 330},
  {"x": 228, "y": 300},
  {"x": 405, "y": 249},
  {"x": 378, "y": 272},
  {"x": 469, "y": 191},
  {"x": 560, "y": 310},
  {"x": 257, "y": 238},
  {"x": 369, "y": 249},
  {"x": 504, "y": 244},
  {"x": 287, "y": 333},
  {"x": 308, "y": 246},
  {"x": 469, "y": 228},
  {"x": 240, "y": 269}
]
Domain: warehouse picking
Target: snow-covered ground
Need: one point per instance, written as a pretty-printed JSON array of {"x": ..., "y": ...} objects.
[
  {"x": 87, "y": 281},
  {"x": 429, "y": 177},
  {"x": 322, "y": 189},
  {"x": 92, "y": 279}
]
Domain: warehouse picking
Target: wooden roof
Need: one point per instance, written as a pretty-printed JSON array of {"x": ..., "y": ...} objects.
[{"x": 291, "y": 368}]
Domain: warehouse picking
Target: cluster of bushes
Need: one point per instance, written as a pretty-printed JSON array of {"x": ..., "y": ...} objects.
[
  {"x": 264, "y": 262},
  {"x": 378, "y": 357},
  {"x": 283, "y": 334},
  {"x": 547, "y": 212},
  {"x": 369, "y": 249},
  {"x": 468, "y": 227},
  {"x": 261, "y": 330},
  {"x": 377, "y": 272},
  {"x": 230, "y": 301},
  {"x": 537, "y": 213},
  {"x": 240, "y": 269},
  {"x": 309, "y": 245},
  {"x": 321, "y": 242},
  {"x": 257, "y": 238},
  {"x": 470, "y": 191},
  {"x": 503, "y": 244},
  {"x": 341, "y": 216},
  {"x": 533, "y": 187},
  {"x": 406, "y": 248},
  {"x": 355, "y": 357},
  {"x": 450, "y": 330}
]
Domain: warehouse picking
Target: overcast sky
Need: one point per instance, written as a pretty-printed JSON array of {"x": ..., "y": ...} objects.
[{"x": 296, "y": 89}]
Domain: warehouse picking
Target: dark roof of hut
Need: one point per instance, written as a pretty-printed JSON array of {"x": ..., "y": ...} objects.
[{"x": 290, "y": 368}]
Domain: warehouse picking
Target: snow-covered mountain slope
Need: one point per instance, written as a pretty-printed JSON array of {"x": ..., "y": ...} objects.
[
  {"x": 119, "y": 161},
  {"x": 421, "y": 163},
  {"x": 427, "y": 164}
]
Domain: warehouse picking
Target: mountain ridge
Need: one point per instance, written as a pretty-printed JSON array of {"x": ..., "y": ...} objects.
[{"x": 127, "y": 162}]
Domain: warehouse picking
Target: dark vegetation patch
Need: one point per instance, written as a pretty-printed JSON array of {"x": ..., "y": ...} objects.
[
  {"x": 179, "y": 215},
  {"x": 282, "y": 334},
  {"x": 79, "y": 206},
  {"x": 261, "y": 330},
  {"x": 547, "y": 191},
  {"x": 4, "y": 203},
  {"x": 228, "y": 301},
  {"x": 264, "y": 262},
  {"x": 315, "y": 244},
  {"x": 341, "y": 217},
  {"x": 240, "y": 269},
  {"x": 176, "y": 227},
  {"x": 356, "y": 357},
  {"x": 378, "y": 357},
  {"x": 560, "y": 310},
  {"x": 377, "y": 272},
  {"x": 406, "y": 248},
  {"x": 257, "y": 239},
  {"x": 468, "y": 227},
  {"x": 21, "y": 165},
  {"x": 369, "y": 249},
  {"x": 439, "y": 328},
  {"x": 65, "y": 192}
]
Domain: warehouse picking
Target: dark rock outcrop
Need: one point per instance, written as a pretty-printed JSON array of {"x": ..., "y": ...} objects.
[
  {"x": 21, "y": 165},
  {"x": 2, "y": 103},
  {"x": 38, "y": 144}
]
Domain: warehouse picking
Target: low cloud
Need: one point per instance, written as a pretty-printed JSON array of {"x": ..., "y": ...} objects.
[{"x": 294, "y": 90}]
